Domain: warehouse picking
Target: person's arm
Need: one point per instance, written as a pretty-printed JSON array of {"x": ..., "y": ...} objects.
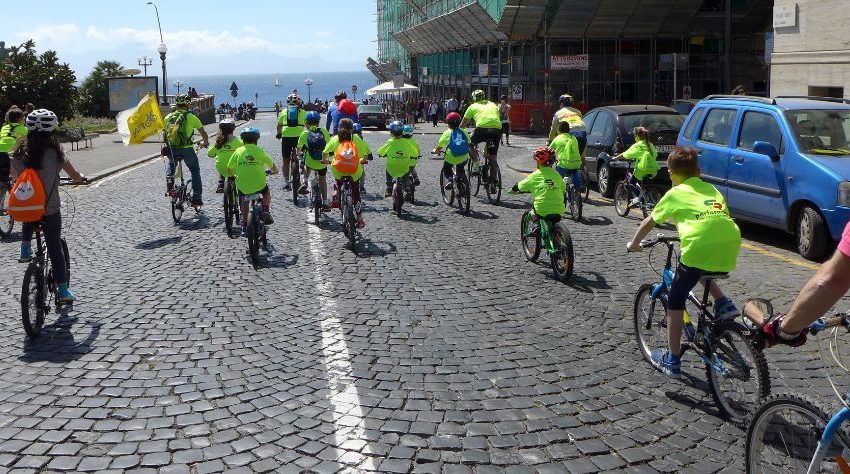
[
  {"x": 205, "y": 138},
  {"x": 76, "y": 177},
  {"x": 278, "y": 129},
  {"x": 645, "y": 228},
  {"x": 819, "y": 294}
]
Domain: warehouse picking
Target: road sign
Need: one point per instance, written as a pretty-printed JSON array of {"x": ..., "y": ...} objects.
[
  {"x": 354, "y": 88},
  {"x": 233, "y": 89},
  {"x": 517, "y": 92}
]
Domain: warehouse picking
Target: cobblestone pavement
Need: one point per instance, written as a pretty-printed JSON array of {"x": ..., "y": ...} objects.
[{"x": 434, "y": 347}]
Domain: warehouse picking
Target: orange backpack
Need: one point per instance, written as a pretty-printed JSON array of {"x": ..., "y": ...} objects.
[
  {"x": 27, "y": 201},
  {"x": 346, "y": 158}
]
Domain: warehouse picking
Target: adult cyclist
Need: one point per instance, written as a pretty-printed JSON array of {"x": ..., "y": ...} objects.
[
  {"x": 180, "y": 125},
  {"x": 290, "y": 124},
  {"x": 488, "y": 124},
  {"x": 572, "y": 116}
]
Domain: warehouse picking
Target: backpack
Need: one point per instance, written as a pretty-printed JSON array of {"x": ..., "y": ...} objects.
[
  {"x": 292, "y": 116},
  {"x": 346, "y": 159},
  {"x": 175, "y": 135},
  {"x": 27, "y": 201},
  {"x": 315, "y": 144},
  {"x": 458, "y": 144}
]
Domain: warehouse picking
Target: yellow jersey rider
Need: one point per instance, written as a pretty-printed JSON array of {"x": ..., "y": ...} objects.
[
  {"x": 488, "y": 125},
  {"x": 571, "y": 115}
]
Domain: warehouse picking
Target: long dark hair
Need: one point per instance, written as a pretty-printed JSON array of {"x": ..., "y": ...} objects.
[
  {"x": 222, "y": 138},
  {"x": 31, "y": 149},
  {"x": 345, "y": 129}
]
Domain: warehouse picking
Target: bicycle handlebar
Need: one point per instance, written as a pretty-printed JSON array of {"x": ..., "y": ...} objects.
[
  {"x": 822, "y": 324},
  {"x": 658, "y": 239}
]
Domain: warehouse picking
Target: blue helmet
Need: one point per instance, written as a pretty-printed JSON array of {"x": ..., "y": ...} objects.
[
  {"x": 249, "y": 133},
  {"x": 396, "y": 128},
  {"x": 312, "y": 117},
  {"x": 357, "y": 127},
  {"x": 407, "y": 130}
]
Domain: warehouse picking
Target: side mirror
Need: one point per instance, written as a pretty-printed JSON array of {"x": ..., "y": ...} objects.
[{"x": 764, "y": 148}]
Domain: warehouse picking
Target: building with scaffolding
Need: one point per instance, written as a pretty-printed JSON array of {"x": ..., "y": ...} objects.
[{"x": 600, "y": 51}]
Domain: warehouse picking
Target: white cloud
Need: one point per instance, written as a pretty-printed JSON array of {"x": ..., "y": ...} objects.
[
  {"x": 251, "y": 30},
  {"x": 50, "y": 33}
]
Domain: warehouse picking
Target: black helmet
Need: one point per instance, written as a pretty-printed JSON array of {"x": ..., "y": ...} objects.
[{"x": 566, "y": 100}]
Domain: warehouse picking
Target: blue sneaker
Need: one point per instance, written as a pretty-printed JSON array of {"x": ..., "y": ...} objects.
[
  {"x": 667, "y": 363},
  {"x": 725, "y": 310},
  {"x": 26, "y": 253},
  {"x": 64, "y": 295}
]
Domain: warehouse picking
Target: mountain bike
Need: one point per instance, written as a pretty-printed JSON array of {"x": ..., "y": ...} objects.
[
  {"x": 736, "y": 370},
  {"x": 459, "y": 190},
  {"x": 403, "y": 190},
  {"x": 554, "y": 237},
  {"x": 573, "y": 198},
  {"x": 181, "y": 194},
  {"x": 38, "y": 292},
  {"x": 788, "y": 433},
  {"x": 647, "y": 198},
  {"x": 6, "y": 221},
  {"x": 349, "y": 214},
  {"x": 490, "y": 175},
  {"x": 256, "y": 229},
  {"x": 296, "y": 165},
  {"x": 231, "y": 206}
]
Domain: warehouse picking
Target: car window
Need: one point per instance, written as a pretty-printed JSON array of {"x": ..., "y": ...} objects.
[
  {"x": 588, "y": 119},
  {"x": 717, "y": 127},
  {"x": 371, "y": 109},
  {"x": 759, "y": 127},
  {"x": 601, "y": 126},
  {"x": 653, "y": 122},
  {"x": 692, "y": 124},
  {"x": 823, "y": 132}
]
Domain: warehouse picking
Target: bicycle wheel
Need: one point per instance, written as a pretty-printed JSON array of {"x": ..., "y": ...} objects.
[
  {"x": 621, "y": 199},
  {"x": 585, "y": 184},
  {"x": 398, "y": 197},
  {"x": 6, "y": 221},
  {"x": 474, "y": 179},
  {"x": 529, "y": 235},
  {"x": 351, "y": 223},
  {"x": 33, "y": 299},
  {"x": 650, "y": 320},
  {"x": 178, "y": 205},
  {"x": 494, "y": 182},
  {"x": 783, "y": 435},
  {"x": 448, "y": 195},
  {"x": 296, "y": 179},
  {"x": 463, "y": 197},
  {"x": 67, "y": 260},
  {"x": 187, "y": 193},
  {"x": 253, "y": 239},
  {"x": 229, "y": 206},
  {"x": 737, "y": 377},
  {"x": 574, "y": 203},
  {"x": 563, "y": 260},
  {"x": 651, "y": 198}
]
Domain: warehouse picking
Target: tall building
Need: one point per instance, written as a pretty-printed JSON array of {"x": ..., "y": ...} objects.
[{"x": 600, "y": 51}]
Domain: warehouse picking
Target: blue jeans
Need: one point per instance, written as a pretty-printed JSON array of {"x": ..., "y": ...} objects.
[
  {"x": 575, "y": 175},
  {"x": 52, "y": 226},
  {"x": 189, "y": 157}
]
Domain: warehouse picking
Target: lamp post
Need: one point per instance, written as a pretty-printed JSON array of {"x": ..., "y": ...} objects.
[
  {"x": 178, "y": 84},
  {"x": 162, "y": 49},
  {"x": 145, "y": 61},
  {"x": 308, "y": 82}
]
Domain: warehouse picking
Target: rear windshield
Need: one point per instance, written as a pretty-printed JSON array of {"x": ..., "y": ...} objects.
[
  {"x": 655, "y": 123},
  {"x": 370, "y": 109},
  {"x": 821, "y": 132}
]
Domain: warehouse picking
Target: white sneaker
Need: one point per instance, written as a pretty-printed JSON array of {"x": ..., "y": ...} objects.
[{"x": 634, "y": 202}]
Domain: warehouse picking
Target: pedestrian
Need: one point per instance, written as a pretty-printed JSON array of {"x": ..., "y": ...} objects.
[
  {"x": 420, "y": 109},
  {"x": 452, "y": 105},
  {"x": 433, "y": 109},
  {"x": 29, "y": 108},
  {"x": 739, "y": 90},
  {"x": 504, "y": 115},
  {"x": 410, "y": 111}
]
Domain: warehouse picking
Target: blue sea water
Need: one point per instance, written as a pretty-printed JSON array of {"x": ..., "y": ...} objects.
[{"x": 325, "y": 84}]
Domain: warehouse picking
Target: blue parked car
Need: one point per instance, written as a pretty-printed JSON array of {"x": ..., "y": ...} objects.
[{"x": 783, "y": 162}]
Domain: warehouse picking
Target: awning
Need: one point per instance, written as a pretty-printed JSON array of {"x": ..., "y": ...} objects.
[
  {"x": 467, "y": 26},
  {"x": 390, "y": 88},
  {"x": 521, "y": 18},
  {"x": 384, "y": 71}
]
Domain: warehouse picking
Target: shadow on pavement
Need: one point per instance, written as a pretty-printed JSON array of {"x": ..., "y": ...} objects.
[
  {"x": 581, "y": 283},
  {"x": 596, "y": 220},
  {"x": 197, "y": 222},
  {"x": 514, "y": 205},
  {"x": 158, "y": 243},
  {"x": 365, "y": 248},
  {"x": 55, "y": 342},
  {"x": 418, "y": 219},
  {"x": 705, "y": 406},
  {"x": 272, "y": 260},
  {"x": 481, "y": 215}
]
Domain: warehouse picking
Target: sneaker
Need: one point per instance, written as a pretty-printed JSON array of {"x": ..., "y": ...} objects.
[
  {"x": 267, "y": 218},
  {"x": 26, "y": 254},
  {"x": 667, "y": 363},
  {"x": 388, "y": 192},
  {"x": 725, "y": 310},
  {"x": 360, "y": 222},
  {"x": 302, "y": 189},
  {"x": 634, "y": 202},
  {"x": 220, "y": 188},
  {"x": 169, "y": 187},
  {"x": 287, "y": 187},
  {"x": 64, "y": 295}
]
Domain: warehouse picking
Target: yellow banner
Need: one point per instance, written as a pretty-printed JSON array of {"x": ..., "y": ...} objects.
[{"x": 141, "y": 121}]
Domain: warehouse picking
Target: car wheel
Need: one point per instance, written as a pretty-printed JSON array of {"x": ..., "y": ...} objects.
[
  {"x": 605, "y": 180},
  {"x": 812, "y": 234}
]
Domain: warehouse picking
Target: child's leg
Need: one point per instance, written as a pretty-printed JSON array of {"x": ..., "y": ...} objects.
[
  {"x": 243, "y": 206},
  {"x": 267, "y": 199},
  {"x": 684, "y": 281},
  {"x": 674, "y": 330},
  {"x": 448, "y": 171},
  {"x": 724, "y": 308}
]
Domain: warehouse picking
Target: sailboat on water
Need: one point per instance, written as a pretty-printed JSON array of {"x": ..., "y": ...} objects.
[{"x": 277, "y": 81}]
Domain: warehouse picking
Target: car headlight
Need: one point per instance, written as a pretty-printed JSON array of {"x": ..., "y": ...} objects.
[{"x": 844, "y": 193}]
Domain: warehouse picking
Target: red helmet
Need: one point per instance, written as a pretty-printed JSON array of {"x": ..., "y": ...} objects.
[
  {"x": 544, "y": 155},
  {"x": 453, "y": 117}
]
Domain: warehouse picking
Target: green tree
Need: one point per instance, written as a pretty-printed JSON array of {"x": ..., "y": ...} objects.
[
  {"x": 37, "y": 78},
  {"x": 94, "y": 93}
]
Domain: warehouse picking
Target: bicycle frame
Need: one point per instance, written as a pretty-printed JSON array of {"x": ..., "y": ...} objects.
[{"x": 826, "y": 440}]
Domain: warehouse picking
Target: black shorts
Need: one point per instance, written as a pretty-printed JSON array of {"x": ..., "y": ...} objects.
[
  {"x": 480, "y": 135},
  {"x": 684, "y": 281},
  {"x": 5, "y": 167},
  {"x": 262, "y": 191},
  {"x": 287, "y": 144}
]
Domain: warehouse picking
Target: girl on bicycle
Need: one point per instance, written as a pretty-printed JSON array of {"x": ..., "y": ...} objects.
[
  {"x": 40, "y": 150},
  {"x": 312, "y": 143},
  {"x": 225, "y": 145},
  {"x": 457, "y": 145},
  {"x": 565, "y": 147},
  {"x": 349, "y": 153},
  {"x": 645, "y": 157},
  {"x": 407, "y": 133}
]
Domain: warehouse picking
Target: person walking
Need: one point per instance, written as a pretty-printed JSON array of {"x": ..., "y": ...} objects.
[
  {"x": 452, "y": 105},
  {"x": 410, "y": 111},
  {"x": 504, "y": 115},
  {"x": 432, "y": 112}
]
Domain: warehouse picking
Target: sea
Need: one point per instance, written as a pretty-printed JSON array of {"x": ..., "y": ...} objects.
[{"x": 261, "y": 89}]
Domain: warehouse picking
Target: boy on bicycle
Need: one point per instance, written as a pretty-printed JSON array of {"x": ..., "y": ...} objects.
[
  {"x": 645, "y": 157},
  {"x": 347, "y": 153},
  {"x": 546, "y": 187},
  {"x": 249, "y": 164},
  {"x": 565, "y": 146},
  {"x": 312, "y": 143},
  {"x": 710, "y": 242},
  {"x": 407, "y": 133},
  {"x": 400, "y": 154},
  {"x": 458, "y": 146}
]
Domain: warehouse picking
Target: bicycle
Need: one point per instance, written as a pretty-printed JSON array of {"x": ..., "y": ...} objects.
[
  {"x": 315, "y": 198},
  {"x": 255, "y": 231},
  {"x": 346, "y": 207},
  {"x": 648, "y": 197},
  {"x": 573, "y": 198},
  {"x": 7, "y": 223},
  {"x": 490, "y": 174},
  {"x": 554, "y": 237},
  {"x": 788, "y": 433},
  {"x": 403, "y": 190},
  {"x": 181, "y": 193},
  {"x": 724, "y": 346},
  {"x": 459, "y": 190},
  {"x": 39, "y": 287},
  {"x": 231, "y": 206},
  {"x": 296, "y": 164}
]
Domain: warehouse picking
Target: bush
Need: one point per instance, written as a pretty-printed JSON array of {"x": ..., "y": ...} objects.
[
  {"x": 94, "y": 91},
  {"x": 39, "y": 79},
  {"x": 90, "y": 124}
]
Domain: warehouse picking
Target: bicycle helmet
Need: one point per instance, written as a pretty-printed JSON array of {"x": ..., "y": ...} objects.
[
  {"x": 566, "y": 100},
  {"x": 478, "y": 95},
  {"x": 357, "y": 128},
  {"x": 227, "y": 126},
  {"x": 42, "y": 120},
  {"x": 544, "y": 155},
  {"x": 396, "y": 128},
  {"x": 313, "y": 117},
  {"x": 250, "y": 134},
  {"x": 182, "y": 99},
  {"x": 453, "y": 118},
  {"x": 407, "y": 130},
  {"x": 292, "y": 100}
]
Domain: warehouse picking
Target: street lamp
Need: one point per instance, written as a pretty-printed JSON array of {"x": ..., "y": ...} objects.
[
  {"x": 145, "y": 61},
  {"x": 162, "y": 49},
  {"x": 308, "y": 82},
  {"x": 178, "y": 84}
]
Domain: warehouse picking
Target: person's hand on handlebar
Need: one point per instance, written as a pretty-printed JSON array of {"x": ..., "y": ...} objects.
[{"x": 633, "y": 246}]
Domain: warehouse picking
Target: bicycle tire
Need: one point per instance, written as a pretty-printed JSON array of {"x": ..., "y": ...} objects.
[
  {"x": 574, "y": 203},
  {"x": 650, "y": 321},
  {"x": 585, "y": 184},
  {"x": 177, "y": 206},
  {"x": 532, "y": 252},
  {"x": 448, "y": 195},
  {"x": 621, "y": 199},
  {"x": 7, "y": 223},
  {"x": 187, "y": 193},
  {"x": 33, "y": 299},
  {"x": 227, "y": 204},
  {"x": 253, "y": 240},
  {"x": 398, "y": 197},
  {"x": 264, "y": 237},
  {"x": 296, "y": 179},
  {"x": 752, "y": 370},
  {"x": 494, "y": 183},
  {"x": 563, "y": 260},
  {"x": 351, "y": 222},
  {"x": 651, "y": 198},
  {"x": 767, "y": 437},
  {"x": 463, "y": 195},
  {"x": 67, "y": 256},
  {"x": 473, "y": 177}
]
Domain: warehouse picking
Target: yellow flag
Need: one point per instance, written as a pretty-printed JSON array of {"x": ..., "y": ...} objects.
[{"x": 141, "y": 121}]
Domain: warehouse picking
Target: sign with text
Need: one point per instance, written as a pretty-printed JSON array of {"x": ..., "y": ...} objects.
[
  {"x": 785, "y": 15},
  {"x": 517, "y": 92},
  {"x": 483, "y": 70},
  {"x": 575, "y": 62}
]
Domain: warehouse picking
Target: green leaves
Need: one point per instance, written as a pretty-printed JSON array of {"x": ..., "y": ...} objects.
[
  {"x": 94, "y": 92},
  {"x": 42, "y": 80}
]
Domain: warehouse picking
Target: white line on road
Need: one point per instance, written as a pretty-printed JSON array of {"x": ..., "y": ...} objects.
[{"x": 122, "y": 173}]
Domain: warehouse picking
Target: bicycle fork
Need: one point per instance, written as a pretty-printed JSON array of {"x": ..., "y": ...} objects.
[{"x": 826, "y": 439}]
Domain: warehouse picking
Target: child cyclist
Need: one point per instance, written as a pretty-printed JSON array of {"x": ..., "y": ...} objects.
[
  {"x": 565, "y": 146},
  {"x": 349, "y": 153},
  {"x": 358, "y": 130},
  {"x": 249, "y": 163},
  {"x": 407, "y": 134},
  {"x": 401, "y": 155},
  {"x": 457, "y": 145},
  {"x": 312, "y": 143},
  {"x": 222, "y": 150},
  {"x": 710, "y": 242},
  {"x": 645, "y": 157},
  {"x": 545, "y": 185}
]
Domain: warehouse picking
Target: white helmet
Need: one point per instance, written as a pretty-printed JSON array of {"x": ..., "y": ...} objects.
[{"x": 42, "y": 120}]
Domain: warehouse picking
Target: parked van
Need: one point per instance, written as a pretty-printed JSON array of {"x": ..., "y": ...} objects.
[{"x": 782, "y": 162}]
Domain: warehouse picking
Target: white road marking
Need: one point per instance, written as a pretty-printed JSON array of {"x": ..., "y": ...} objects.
[{"x": 123, "y": 172}]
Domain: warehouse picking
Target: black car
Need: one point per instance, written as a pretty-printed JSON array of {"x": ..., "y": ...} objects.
[
  {"x": 372, "y": 116},
  {"x": 610, "y": 133}
]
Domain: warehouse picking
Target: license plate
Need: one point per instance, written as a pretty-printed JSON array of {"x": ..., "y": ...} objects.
[{"x": 664, "y": 148}]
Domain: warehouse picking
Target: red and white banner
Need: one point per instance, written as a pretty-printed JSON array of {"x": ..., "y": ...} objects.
[{"x": 576, "y": 61}]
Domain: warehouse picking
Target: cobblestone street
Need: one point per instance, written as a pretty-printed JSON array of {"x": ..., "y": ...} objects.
[{"x": 435, "y": 347}]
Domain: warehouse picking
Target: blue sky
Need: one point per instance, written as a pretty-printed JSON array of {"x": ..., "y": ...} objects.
[{"x": 209, "y": 37}]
